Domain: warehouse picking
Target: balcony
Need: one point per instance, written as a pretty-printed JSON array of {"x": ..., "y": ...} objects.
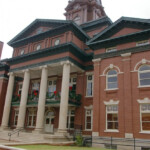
[{"x": 52, "y": 99}]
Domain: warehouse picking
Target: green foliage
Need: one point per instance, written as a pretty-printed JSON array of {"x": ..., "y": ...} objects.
[
  {"x": 79, "y": 140},
  {"x": 15, "y": 98}
]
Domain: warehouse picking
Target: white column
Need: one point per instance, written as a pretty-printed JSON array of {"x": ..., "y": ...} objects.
[
  {"x": 64, "y": 99},
  {"x": 23, "y": 102},
  {"x": 8, "y": 100},
  {"x": 42, "y": 99}
]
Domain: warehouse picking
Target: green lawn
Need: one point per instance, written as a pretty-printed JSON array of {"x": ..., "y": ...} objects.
[{"x": 48, "y": 147}]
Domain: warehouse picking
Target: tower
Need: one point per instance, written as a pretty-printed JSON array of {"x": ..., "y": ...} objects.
[{"x": 82, "y": 11}]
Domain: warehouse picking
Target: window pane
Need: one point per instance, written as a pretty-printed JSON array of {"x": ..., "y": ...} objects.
[
  {"x": 145, "y": 82},
  {"x": 146, "y": 126},
  {"x": 145, "y": 75},
  {"x": 112, "y": 125},
  {"x": 112, "y": 117},
  {"x": 112, "y": 85},
  {"x": 146, "y": 117},
  {"x": 88, "y": 126},
  {"x": 112, "y": 79},
  {"x": 89, "y": 89},
  {"x": 145, "y": 67},
  {"x": 112, "y": 72}
]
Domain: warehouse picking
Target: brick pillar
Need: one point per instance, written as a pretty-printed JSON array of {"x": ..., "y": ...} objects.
[
  {"x": 96, "y": 100},
  {"x": 127, "y": 95}
]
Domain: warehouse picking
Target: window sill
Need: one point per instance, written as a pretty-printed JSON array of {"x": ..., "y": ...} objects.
[
  {"x": 88, "y": 96},
  {"x": 116, "y": 131},
  {"x": 111, "y": 90},
  {"x": 88, "y": 130},
  {"x": 145, "y": 132}
]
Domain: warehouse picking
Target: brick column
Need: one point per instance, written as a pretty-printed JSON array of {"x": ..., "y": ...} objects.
[
  {"x": 64, "y": 99},
  {"x": 8, "y": 100},
  {"x": 23, "y": 102},
  {"x": 42, "y": 99},
  {"x": 127, "y": 95},
  {"x": 96, "y": 96}
]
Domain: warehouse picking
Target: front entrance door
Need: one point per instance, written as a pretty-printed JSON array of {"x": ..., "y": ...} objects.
[{"x": 49, "y": 122}]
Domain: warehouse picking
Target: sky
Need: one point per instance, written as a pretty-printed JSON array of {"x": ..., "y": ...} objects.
[{"x": 15, "y": 15}]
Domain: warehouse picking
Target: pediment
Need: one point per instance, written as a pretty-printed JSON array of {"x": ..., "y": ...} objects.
[
  {"x": 37, "y": 27},
  {"x": 123, "y": 26}
]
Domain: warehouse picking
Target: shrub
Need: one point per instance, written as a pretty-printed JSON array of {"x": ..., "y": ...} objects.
[{"x": 79, "y": 140}]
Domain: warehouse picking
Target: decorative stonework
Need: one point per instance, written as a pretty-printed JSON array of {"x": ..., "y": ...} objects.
[
  {"x": 96, "y": 60},
  {"x": 144, "y": 101},
  {"x": 126, "y": 55},
  {"x": 88, "y": 107},
  {"x": 142, "y": 62},
  {"x": 111, "y": 102}
]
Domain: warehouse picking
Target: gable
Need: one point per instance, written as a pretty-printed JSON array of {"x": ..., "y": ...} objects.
[
  {"x": 39, "y": 24},
  {"x": 121, "y": 27},
  {"x": 125, "y": 31}
]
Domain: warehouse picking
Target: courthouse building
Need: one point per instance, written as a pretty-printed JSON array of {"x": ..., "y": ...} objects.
[{"x": 83, "y": 72}]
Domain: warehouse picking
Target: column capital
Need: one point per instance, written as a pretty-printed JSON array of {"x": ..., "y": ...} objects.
[
  {"x": 26, "y": 70},
  {"x": 11, "y": 74},
  {"x": 126, "y": 55},
  {"x": 67, "y": 63},
  {"x": 43, "y": 67},
  {"x": 96, "y": 60}
]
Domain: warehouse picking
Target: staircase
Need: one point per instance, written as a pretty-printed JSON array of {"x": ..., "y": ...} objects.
[{"x": 25, "y": 138}]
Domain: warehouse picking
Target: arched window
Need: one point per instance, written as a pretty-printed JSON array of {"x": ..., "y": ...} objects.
[
  {"x": 77, "y": 20},
  {"x": 144, "y": 75},
  {"x": 112, "y": 81}
]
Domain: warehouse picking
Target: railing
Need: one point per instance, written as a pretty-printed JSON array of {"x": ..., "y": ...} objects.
[
  {"x": 114, "y": 143},
  {"x": 51, "y": 97},
  {"x": 16, "y": 131}
]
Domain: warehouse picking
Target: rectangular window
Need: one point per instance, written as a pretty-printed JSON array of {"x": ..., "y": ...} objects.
[
  {"x": 20, "y": 88},
  {"x": 70, "y": 119},
  {"x": 141, "y": 43},
  {"x": 16, "y": 117},
  {"x": 89, "y": 88},
  {"x": 112, "y": 49},
  {"x": 112, "y": 117},
  {"x": 31, "y": 118},
  {"x": 51, "y": 87},
  {"x": 88, "y": 119},
  {"x": 72, "y": 84},
  {"x": 145, "y": 117}
]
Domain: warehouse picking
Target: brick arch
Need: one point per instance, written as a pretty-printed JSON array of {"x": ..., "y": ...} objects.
[
  {"x": 111, "y": 66},
  {"x": 140, "y": 63}
]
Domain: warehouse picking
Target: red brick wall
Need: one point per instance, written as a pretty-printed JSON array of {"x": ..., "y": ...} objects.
[{"x": 3, "y": 89}]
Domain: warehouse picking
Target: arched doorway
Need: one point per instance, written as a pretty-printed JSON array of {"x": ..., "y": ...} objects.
[{"x": 49, "y": 121}]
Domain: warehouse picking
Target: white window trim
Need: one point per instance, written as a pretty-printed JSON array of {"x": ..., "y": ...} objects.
[
  {"x": 89, "y": 108},
  {"x": 144, "y": 101},
  {"x": 111, "y": 49},
  {"x": 142, "y": 86},
  {"x": 33, "y": 114},
  {"x": 89, "y": 74},
  {"x": 109, "y": 89},
  {"x": 142, "y": 43},
  {"x": 15, "y": 117},
  {"x": 107, "y": 103},
  {"x": 69, "y": 117},
  {"x": 20, "y": 89}
]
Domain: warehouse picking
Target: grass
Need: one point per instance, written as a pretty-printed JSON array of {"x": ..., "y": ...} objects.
[{"x": 48, "y": 147}]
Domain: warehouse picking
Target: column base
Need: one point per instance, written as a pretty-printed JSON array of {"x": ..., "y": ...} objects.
[
  {"x": 62, "y": 132},
  {"x": 38, "y": 130},
  {"x": 2, "y": 128}
]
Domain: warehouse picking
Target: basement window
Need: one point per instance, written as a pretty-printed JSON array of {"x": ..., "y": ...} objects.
[
  {"x": 112, "y": 49},
  {"x": 141, "y": 43}
]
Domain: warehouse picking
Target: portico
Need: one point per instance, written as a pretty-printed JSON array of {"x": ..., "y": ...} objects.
[{"x": 43, "y": 102}]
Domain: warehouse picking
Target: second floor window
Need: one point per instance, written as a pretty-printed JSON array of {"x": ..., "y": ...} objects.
[
  {"x": 89, "y": 88},
  {"x": 111, "y": 79},
  {"x": 144, "y": 75}
]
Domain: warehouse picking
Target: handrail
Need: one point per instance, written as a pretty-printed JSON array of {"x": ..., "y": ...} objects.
[{"x": 14, "y": 132}]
